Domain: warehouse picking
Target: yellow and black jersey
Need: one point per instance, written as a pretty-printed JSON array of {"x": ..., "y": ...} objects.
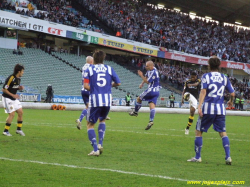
[
  {"x": 194, "y": 90},
  {"x": 11, "y": 84}
]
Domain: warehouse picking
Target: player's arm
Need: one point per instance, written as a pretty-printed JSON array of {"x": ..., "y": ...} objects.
[
  {"x": 86, "y": 84},
  {"x": 144, "y": 79},
  {"x": 230, "y": 89},
  {"x": 21, "y": 87},
  {"x": 231, "y": 100},
  {"x": 182, "y": 100},
  {"x": 195, "y": 84},
  {"x": 116, "y": 81},
  {"x": 115, "y": 84},
  {"x": 10, "y": 94},
  {"x": 202, "y": 95},
  {"x": 141, "y": 85}
]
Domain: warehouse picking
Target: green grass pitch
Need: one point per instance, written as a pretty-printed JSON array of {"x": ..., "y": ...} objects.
[{"x": 54, "y": 153}]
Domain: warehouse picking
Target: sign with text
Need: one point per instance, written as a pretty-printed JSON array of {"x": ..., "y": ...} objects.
[
  {"x": 204, "y": 61},
  {"x": 67, "y": 99},
  {"x": 22, "y": 24},
  {"x": 26, "y": 96},
  {"x": 127, "y": 47},
  {"x": 77, "y": 36}
]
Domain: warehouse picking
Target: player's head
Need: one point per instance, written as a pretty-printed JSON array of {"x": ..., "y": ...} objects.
[
  {"x": 18, "y": 70},
  {"x": 149, "y": 65},
  {"x": 214, "y": 63},
  {"x": 193, "y": 76},
  {"x": 99, "y": 57},
  {"x": 89, "y": 60}
]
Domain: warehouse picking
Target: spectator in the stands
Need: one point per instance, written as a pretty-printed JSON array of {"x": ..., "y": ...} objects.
[
  {"x": 14, "y": 52},
  {"x": 20, "y": 52},
  {"x": 173, "y": 30}
]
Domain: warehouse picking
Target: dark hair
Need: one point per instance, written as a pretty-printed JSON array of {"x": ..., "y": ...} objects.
[
  {"x": 17, "y": 68},
  {"x": 193, "y": 73},
  {"x": 214, "y": 63},
  {"x": 99, "y": 57}
]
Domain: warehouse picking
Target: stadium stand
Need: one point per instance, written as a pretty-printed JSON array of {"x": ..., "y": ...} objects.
[
  {"x": 173, "y": 30},
  {"x": 130, "y": 81},
  {"x": 42, "y": 69},
  {"x": 135, "y": 20},
  {"x": 53, "y": 11}
]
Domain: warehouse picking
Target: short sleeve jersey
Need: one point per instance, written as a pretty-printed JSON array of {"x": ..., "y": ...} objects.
[
  {"x": 153, "y": 78},
  {"x": 100, "y": 78},
  {"x": 84, "y": 68},
  {"x": 194, "y": 90},
  {"x": 11, "y": 84},
  {"x": 215, "y": 83}
]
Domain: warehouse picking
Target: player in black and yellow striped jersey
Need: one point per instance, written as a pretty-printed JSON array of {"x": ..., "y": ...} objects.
[
  {"x": 191, "y": 93},
  {"x": 10, "y": 100}
]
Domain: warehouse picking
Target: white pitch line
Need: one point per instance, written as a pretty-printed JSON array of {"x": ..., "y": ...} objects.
[
  {"x": 160, "y": 134},
  {"x": 101, "y": 169},
  {"x": 73, "y": 126},
  {"x": 125, "y": 131}
]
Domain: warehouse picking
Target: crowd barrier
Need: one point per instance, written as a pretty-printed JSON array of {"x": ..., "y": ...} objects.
[{"x": 47, "y": 106}]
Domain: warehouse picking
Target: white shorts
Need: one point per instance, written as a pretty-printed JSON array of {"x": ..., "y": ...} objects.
[
  {"x": 10, "y": 105},
  {"x": 192, "y": 100}
]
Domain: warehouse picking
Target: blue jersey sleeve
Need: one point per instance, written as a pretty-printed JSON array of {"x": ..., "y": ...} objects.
[
  {"x": 229, "y": 86},
  {"x": 151, "y": 76},
  {"x": 115, "y": 77},
  {"x": 86, "y": 74},
  {"x": 204, "y": 81}
]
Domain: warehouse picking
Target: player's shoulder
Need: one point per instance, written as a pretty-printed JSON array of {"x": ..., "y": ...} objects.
[
  {"x": 10, "y": 77},
  {"x": 107, "y": 66},
  {"x": 86, "y": 66}
]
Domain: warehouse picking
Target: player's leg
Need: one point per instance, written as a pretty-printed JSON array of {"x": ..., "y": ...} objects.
[
  {"x": 102, "y": 127},
  {"x": 137, "y": 107},
  {"x": 85, "y": 97},
  {"x": 226, "y": 146},
  {"x": 190, "y": 119},
  {"x": 10, "y": 107},
  {"x": 220, "y": 126},
  {"x": 152, "y": 99},
  {"x": 138, "y": 104},
  {"x": 152, "y": 115},
  {"x": 202, "y": 125},
  {"x": 93, "y": 117},
  {"x": 193, "y": 105},
  {"x": 8, "y": 123},
  {"x": 20, "y": 122},
  {"x": 84, "y": 112}
]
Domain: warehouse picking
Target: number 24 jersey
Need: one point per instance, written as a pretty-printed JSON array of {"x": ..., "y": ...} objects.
[{"x": 215, "y": 83}]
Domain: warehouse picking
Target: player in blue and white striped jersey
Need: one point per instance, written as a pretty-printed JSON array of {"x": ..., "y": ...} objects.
[
  {"x": 211, "y": 108},
  {"x": 99, "y": 79},
  {"x": 151, "y": 94},
  {"x": 85, "y": 93}
]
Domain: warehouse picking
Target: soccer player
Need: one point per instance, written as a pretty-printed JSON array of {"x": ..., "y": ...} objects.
[
  {"x": 190, "y": 93},
  {"x": 150, "y": 94},
  {"x": 85, "y": 93},
  {"x": 211, "y": 108},
  {"x": 99, "y": 79},
  {"x": 11, "y": 103}
]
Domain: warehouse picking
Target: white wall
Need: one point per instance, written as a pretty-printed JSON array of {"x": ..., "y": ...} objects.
[{"x": 8, "y": 43}]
